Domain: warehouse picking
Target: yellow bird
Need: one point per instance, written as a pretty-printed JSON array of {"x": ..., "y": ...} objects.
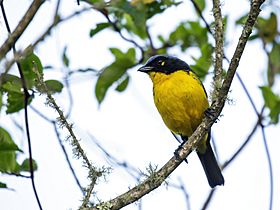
[{"x": 182, "y": 101}]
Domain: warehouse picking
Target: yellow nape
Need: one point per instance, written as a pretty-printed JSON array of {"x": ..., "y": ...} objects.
[{"x": 180, "y": 99}]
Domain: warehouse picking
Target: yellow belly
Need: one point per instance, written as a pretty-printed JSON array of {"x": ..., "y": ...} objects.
[{"x": 180, "y": 100}]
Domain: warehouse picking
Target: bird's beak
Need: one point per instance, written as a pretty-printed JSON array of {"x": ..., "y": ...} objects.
[{"x": 146, "y": 69}]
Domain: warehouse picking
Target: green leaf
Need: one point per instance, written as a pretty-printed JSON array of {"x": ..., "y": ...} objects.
[
  {"x": 8, "y": 150},
  {"x": 25, "y": 166},
  {"x": 10, "y": 87},
  {"x": 269, "y": 96},
  {"x": 65, "y": 58},
  {"x": 274, "y": 63},
  {"x": 99, "y": 27},
  {"x": 16, "y": 102},
  {"x": 27, "y": 65},
  {"x": 6, "y": 141},
  {"x": 157, "y": 7},
  {"x": 204, "y": 62},
  {"x": 200, "y": 4},
  {"x": 272, "y": 102},
  {"x": 241, "y": 20},
  {"x": 4, "y": 78},
  {"x": 123, "y": 84},
  {"x": 132, "y": 17},
  {"x": 253, "y": 37},
  {"x": 131, "y": 54},
  {"x": 8, "y": 161},
  {"x": 117, "y": 52},
  {"x": 267, "y": 28},
  {"x": 114, "y": 71},
  {"x": 189, "y": 34},
  {"x": 225, "y": 23},
  {"x": 3, "y": 185},
  {"x": 54, "y": 86},
  {"x": 161, "y": 39}
]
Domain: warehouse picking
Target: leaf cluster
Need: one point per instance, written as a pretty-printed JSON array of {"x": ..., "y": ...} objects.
[
  {"x": 11, "y": 85},
  {"x": 132, "y": 18},
  {"x": 12, "y": 97},
  {"x": 8, "y": 157}
]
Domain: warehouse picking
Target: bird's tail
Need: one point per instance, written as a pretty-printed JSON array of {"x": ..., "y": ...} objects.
[{"x": 210, "y": 166}]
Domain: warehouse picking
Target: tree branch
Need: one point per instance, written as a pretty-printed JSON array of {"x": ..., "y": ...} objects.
[
  {"x": 219, "y": 44},
  {"x": 56, "y": 21},
  {"x": 14, "y": 36}
]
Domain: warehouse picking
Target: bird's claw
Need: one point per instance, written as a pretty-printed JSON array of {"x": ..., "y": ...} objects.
[{"x": 176, "y": 153}]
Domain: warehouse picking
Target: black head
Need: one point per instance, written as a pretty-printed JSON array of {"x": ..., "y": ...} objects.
[{"x": 165, "y": 64}]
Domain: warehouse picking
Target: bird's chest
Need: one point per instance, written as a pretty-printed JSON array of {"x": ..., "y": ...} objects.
[{"x": 181, "y": 102}]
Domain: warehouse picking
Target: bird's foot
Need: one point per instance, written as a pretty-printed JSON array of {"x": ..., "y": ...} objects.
[{"x": 177, "y": 151}]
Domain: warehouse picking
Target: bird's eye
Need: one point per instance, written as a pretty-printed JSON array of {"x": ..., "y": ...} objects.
[{"x": 161, "y": 62}]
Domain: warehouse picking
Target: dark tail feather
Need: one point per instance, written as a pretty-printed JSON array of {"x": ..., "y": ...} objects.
[{"x": 211, "y": 167}]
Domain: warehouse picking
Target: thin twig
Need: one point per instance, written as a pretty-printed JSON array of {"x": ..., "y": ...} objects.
[
  {"x": 72, "y": 72},
  {"x": 67, "y": 158},
  {"x": 40, "y": 114},
  {"x": 202, "y": 17},
  {"x": 227, "y": 163},
  {"x": 124, "y": 164},
  {"x": 26, "y": 99},
  {"x": 153, "y": 49},
  {"x": 70, "y": 96},
  {"x": 241, "y": 148},
  {"x": 118, "y": 30},
  {"x": 215, "y": 148},
  {"x": 208, "y": 199},
  {"x": 247, "y": 93},
  {"x": 186, "y": 195},
  {"x": 269, "y": 167},
  {"x": 18, "y": 175}
]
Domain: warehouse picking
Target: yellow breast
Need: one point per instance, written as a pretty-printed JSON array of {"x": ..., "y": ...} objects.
[{"x": 180, "y": 100}]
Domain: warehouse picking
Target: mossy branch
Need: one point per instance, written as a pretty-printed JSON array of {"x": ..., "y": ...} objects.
[
  {"x": 78, "y": 151},
  {"x": 219, "y": 45}
]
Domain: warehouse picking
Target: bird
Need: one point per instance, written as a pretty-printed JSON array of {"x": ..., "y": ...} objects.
[{"x": 181, "y": 100}]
